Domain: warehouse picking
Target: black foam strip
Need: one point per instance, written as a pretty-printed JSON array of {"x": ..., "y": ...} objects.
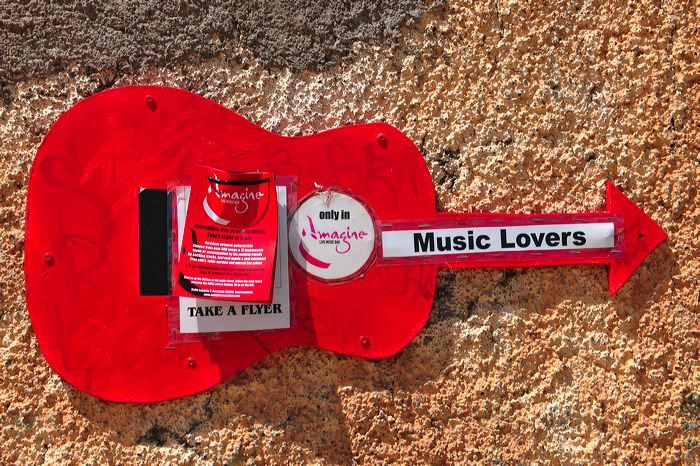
[{"x": 154, "y": 242}]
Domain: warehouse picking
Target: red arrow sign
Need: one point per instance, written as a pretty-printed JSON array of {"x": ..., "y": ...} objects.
[{"x": 620, "y": 238}]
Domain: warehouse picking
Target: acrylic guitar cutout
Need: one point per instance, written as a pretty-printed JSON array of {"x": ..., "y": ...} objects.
[{"x": 101, "y": 335}]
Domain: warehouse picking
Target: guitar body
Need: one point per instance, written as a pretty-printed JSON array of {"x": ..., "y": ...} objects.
[{"x": 97, "y": 330}]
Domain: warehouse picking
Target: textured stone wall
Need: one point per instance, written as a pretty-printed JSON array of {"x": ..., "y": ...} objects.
[{"x": 517, "y": 107}]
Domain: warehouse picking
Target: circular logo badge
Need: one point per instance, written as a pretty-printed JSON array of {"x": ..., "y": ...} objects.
[{"x": 331, "y": 235}]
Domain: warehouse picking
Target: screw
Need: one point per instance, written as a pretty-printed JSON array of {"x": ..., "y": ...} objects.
[
  {"x": 364, "y": 341},
  {"x": 49, "y": 259},
  {"x": 381, "y": 139},
  {"x": 150, "y": 102},
  {"x": 191, "y": 363}
]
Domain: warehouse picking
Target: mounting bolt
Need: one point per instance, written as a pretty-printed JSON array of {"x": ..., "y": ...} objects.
[
  {"x": 191, "y": 363},
  {"x": 381, "y": 139},
  {"x": 49, "y": 259},
  {"x": 150, "y": 102},
  {"x": 364, "y": 341}
]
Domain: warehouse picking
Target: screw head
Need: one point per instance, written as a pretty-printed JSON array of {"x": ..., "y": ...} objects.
[
  {"x": 382, "y": 140},
  {"x": 150, "y": 102},
  {"x": 49, "y": 258},
  {"x": 364, "y": 341},
  {"x": 191, "y": 363}
]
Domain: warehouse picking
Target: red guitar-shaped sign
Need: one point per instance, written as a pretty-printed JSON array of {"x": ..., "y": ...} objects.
[{"x": 364, "y": 238}]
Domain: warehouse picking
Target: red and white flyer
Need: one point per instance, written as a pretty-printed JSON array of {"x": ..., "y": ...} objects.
[{"x": 230, "y": 236}]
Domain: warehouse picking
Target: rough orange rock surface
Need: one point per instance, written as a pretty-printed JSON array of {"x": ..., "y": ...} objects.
[{"x": 517, "y": 107}]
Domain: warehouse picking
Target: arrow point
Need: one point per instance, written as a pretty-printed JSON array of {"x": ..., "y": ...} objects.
[{"x": 642, "y": 234}]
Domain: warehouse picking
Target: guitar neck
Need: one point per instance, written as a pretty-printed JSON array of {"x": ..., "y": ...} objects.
[{"x": 470, "y": 240}]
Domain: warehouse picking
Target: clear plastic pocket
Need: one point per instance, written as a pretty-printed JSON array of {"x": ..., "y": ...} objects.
[{"x": 200, "y": 319}]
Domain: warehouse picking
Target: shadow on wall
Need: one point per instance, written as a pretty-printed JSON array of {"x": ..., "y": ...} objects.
[
  {"x": 298, "y": 394},
  {"x": 303, "y": 397},
  {"x": 461, "y": 293}
]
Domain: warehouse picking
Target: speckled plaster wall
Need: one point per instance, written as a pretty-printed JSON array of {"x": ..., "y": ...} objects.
[{"x": 517, "y": 107}]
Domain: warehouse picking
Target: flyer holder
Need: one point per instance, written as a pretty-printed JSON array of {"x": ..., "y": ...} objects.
[{"x": 201, "y": 323}]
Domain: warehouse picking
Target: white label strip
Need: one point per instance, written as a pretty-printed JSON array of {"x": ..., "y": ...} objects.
[
  {"x": 199, "y": 315},
  {"x": 434, "y": 242}
]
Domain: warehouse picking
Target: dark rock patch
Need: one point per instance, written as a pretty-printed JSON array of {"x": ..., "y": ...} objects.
[{"x": 39, "y": 36}]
